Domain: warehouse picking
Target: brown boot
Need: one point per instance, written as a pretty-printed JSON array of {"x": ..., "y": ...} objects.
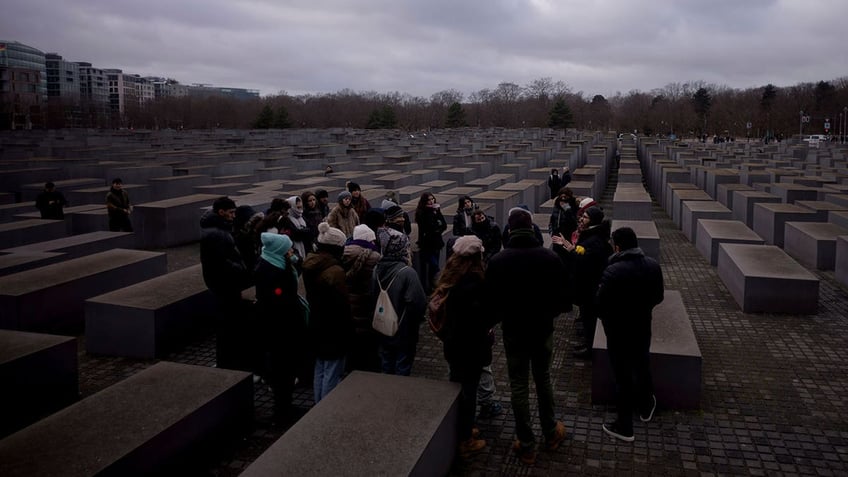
[
  {"x": 471, "y": 446},
  {"x": 556, "y": 438},
  {"x": 527, "y": 455}
]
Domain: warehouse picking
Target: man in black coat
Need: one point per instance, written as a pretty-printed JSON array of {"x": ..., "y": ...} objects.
[
  {"x": 226, "y": 275},
  {"x": 51, "y": 202},
  {"x": 631, "y": 286},
  {"x": 520, "y": 281}
]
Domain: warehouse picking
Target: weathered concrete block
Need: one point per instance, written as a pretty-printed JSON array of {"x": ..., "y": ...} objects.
[
  {"x": 770, "y": 219},
  {"x": 646, "y": 234},
  {"x": 764, "y": 279},
  {"x": 414, "y": 417},
  {"x": 711, "y": 233},
  {"x": 693, "y": 211},
  {"x": 813, "y": 243}
]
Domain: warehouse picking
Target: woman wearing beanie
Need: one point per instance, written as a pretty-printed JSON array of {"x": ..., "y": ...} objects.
[
  {"x": 311, "y": 213},
  {"x": 343, "y": 217},
  {"x": 588, "y": 259},
  {"x": 330, "y": 319},
  {"x": 360, "y": 257},
  {"x": 467, "y": 345},
  {"x": 564, "y": 216},
  {"x": 431, "y": 225},
  {"x": 397, "y": 353},
  {"x": 281, "y": 322}
]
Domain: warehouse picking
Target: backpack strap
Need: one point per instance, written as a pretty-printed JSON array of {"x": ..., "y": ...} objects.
[{"x": 394, "y": 275}]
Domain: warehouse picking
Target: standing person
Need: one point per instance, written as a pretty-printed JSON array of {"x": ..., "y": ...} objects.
[
  {"x": 564, "y": 216},
  {"x": 343, "y": 217},
  {"x": 520, "y": 282},
  {"x": 467, "y": 346},
  {"x": 393, "y": 274},
  {"x": 226, "y": 275},
  {"x": 554, "y": 182},
  {"x": 119, "y": 207},
  {"x": 431, "y": 225},
  {"x": 50, "y": 203},
  {"x": 330, "y": 319},
  {"x": 588, "y": 258},
  {"x": 247, "y": 240},
  {"x": 323, "y": 202},
  {"x": 397, "y": 219},
  {"x": 311, "y": 213},
  {"x": 281, "y": 320},
  {"x": 357, "y": 201},
  {"x": 297, "y": 229},
  {"x": 485, "y": 228},
  {"x": 537, "y": 232},
  {"x": 631, "y": 286},
  {"x": 565, "y": 178},
  {"x": 360, "y": 257},
  {"x": 463, "y": 218}
]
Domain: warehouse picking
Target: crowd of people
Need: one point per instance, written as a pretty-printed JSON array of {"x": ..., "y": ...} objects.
[{"x": 317, "y": 273}]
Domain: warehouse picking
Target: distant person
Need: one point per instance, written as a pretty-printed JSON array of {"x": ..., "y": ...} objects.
[
  {"x": 359, "y": 203},
  {"x": 50, "y": 202},
  {"x": 360, "y": 257},
  {"x": 119, "y": 207},
  {"x": 431, "y": 226},
  {"x": 343, "y": 217},
  {"x": 631, "y": 286},
  {"x": 554, "y": 182},
  {"x": 328, "y": 170},
  {"x": 323, "y": 202},
  {"x": 537, "y": 232}
]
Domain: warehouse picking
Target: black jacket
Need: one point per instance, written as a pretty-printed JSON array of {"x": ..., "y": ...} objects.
[
  {"x": 330, "y": 317},
  {"x": 490, "y": 234},
  {"x": 50, "y": 204},
  {"x": 563, "y": 218},
  {"x": 431, "y": 225},
  {"x": 521, "y": 282},
  {"x": 588, "y": 265},
  {"x": 630, "y": 287},
  {"x": 467, "y": 343},
  {"x": 224, "y": 271},
  {"x": 280, "y": 318}
]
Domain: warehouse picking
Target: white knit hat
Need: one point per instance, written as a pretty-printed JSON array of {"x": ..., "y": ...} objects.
[
  {"x": 364, "y": 232},
  {"x": 468, "y": 245},
  {"x": 330, "y": 235}
]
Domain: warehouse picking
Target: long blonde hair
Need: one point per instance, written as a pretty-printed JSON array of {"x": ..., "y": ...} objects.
[{"x": 459, "y": 266}]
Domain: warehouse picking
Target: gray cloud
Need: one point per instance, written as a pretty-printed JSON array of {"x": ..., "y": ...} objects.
[{"x": 421, "y": 47}]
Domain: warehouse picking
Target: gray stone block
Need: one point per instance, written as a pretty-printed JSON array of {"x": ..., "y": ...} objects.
[
  {"x": 78, "y": 245},
  {"x": 813, "y": 243},
  {"x": 842, "y": 259},
  {"x": 149, "y": 318},
  {"x": 631, "y": 204},
  {"x": 676, "y": 360},
  {"x": 171, "y": 222},
  {"x": 789, "y": 192},
  {"x": 693, "y": 211},
  {"x": 764, "y": 279},
  {"x": 770, "y": 219},
  {"x": 366, "y": 412},
  {"x": 681, "y": 195},
  {"x": 18, "y": 262},
  {"x": 51, "y": 298},
  {"x": 711, "y": 233},
  {"x": 144, "y": 425},
  {"x": 743, "y": 204},
  {"x": 22, "y": 232},
  {"x": 39, "y": 376}
]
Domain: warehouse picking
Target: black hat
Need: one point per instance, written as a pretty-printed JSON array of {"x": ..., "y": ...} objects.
[
  {"x": 596, "y": 215},
  {"x": 519, "y": 219},
  {"x": 352, "y": 186}
]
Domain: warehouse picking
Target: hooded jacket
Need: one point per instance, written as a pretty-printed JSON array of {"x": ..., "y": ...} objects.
[
  {"x": 406, "y": 294},
  {"x": 630, "y": 287},
  {"x": 359, "y": 260},
  {"x": 343, "y": 218},
  {"x": 224, "y": 271},
  {"x": 330, "y": 318}
]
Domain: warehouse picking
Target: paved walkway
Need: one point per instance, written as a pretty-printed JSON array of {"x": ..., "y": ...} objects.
[{"x": 775, "y": 389}]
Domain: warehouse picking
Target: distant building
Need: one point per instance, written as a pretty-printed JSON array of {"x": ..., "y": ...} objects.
[
  {"x": 23, "y": 86},
  {"x": 167, "y": 88},
  {"x": 204, "y": 91},
  {"x": 94, "y": 95},
  {"x": 63, "y": 92},
  {"x": 127, "y": 91}
]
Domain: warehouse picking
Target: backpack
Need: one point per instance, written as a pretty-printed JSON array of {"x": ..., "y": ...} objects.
[
  {"x": 437, "y": 313},
  {"x": 385, "y": 319}
]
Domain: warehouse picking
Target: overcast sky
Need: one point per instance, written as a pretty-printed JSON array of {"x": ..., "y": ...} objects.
[{"x": 424, "y": 46}]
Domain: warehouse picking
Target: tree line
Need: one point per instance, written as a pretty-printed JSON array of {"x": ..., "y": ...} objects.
[{"x": 680, "y": 109}]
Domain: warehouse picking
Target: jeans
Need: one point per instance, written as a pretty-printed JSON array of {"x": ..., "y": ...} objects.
[
  {"x": 486, "y": 390},
  {"x": 398, "y": 353},
  {"x": 522, "y": 356},
  {"x": 429, "y": 262},
  {"x": 328, "y": 373},
  {"x": 629, "y": 355}
]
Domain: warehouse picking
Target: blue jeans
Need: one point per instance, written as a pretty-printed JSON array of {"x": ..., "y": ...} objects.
[
  {"x": 486, "y": 390},
  {"x": 398, "y": 353},
  {"x": 328, "y": 373},
  {"x": 522, "y": 355}
]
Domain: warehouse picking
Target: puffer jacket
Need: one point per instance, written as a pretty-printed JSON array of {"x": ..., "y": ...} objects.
[
  {"x": 630, "y": 287},
  {"x": 224, "y": 271},
  {"x": 330, "y": 319},
  {"x": 467, "y": 344},
  {"x": 359, "y": 260}
]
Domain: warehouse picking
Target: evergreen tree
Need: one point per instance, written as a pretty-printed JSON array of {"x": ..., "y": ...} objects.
[
  {"x": 281, "y": 120},
  {"x": 265, "y": 119},
  {"x": 560, "y": 116},
  {"x": 702, "y": 101},
  {"x": 456, "y": 116},
  {"x": 382, "y": 118}
]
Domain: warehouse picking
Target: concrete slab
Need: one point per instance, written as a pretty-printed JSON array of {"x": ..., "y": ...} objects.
[
  {"x": 813, "y": 243},
  {"x": 711, "y": 233},
  {"x": 631, "y": 204},
  {"x": 414, "y": 417},
  {"x": 743, "y": 204},
  {"x": 22, "y": 232},
  {"x": 764, "y": 279},
  {"x": 646, "y": 234},
  {"x": 841, "y": 265},
  {"x": 693, "y": 211},
  {"x": 770, "y": 220}
]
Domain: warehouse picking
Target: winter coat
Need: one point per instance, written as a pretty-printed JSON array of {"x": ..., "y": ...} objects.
[
  {"x": 296, "y": 228},
  {"x": 563, "y": 218},
  {"x": 521, "y": 280},
  {"x": 554, "y": 184},
  {"x": 280, "y": 319},
  {"x": 630, "y": 287},
  {"x": 467, "y": 344},
  {"x": 344, "y": 219},
  {"x": 330, "y": 319},
  {"x": 359, "y": 260},
  {"x": 406, "y": 294},
  {"x": 490, "y": 234},
  {"x": 116, "y": 202},
  {"x": 588, "y": 265},
  {"x": 52, "y": 211},
  {"x": 431, "y": 225},
  {"x": 360, "y": 206},
  {"x": 224, "y": 271},
  {"x": 462, "y": 221}
]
